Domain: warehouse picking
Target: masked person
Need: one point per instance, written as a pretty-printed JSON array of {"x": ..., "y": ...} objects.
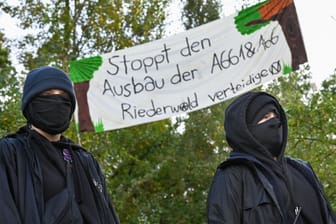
[
  {"x": 45, "y": 177},
  {"x": 258, "y": 184}
]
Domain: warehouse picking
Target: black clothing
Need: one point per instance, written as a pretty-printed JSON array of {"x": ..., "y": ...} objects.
[
  {"x": 79, "y": 196},
  {"x": 52, "y": 164},
  {"x": 303, "y": 189},
  {"x": 269, "y": 134},
  {"x": 50, "y": 113},
  {"x": 252, "y": 187},
  {"x": 241, "y": 192}
]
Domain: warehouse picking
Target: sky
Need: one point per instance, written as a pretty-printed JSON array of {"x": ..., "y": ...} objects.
[{"x": 318, "y": 26}]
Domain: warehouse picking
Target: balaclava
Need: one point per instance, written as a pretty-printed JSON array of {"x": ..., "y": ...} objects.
[
  {"x": 51, "y": 113},
  {"x": 270, "y": 132}
]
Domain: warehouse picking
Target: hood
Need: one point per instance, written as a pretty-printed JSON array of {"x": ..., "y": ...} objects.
[{"x": 237, "y": 133}]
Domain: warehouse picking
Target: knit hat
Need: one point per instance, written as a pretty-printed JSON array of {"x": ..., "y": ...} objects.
[{"x": 45, "y": 78}]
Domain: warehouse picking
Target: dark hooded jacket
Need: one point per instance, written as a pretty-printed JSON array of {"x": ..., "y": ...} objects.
[
  {"x": 21, "y": 186},
  {"x": 251, "y": 187}
]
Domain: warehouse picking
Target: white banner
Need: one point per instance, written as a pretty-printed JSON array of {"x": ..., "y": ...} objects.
[{"x": 180, "y": 74}]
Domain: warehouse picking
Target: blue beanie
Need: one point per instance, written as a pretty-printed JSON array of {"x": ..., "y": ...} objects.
[{"x": 45, "y": 78}]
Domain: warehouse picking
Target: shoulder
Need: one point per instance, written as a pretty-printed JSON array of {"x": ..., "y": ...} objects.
[
  {"x": 237, "y": 166},
  {"x": 86, "y": 157},
  {"x": 229, "y": 182},
  {"x": 235, "y": 171},
  {"x": 14, "y": 140},
  {"x": 83, "y": 153},
  {"x": 304, "y": 168},
  {"x": 298, "y": 164},
  {"x": 12, "y": 148},
  {"x": 297, "y": 161},
  {"x": 12, "y": 143},
  {"x": 76, "y": 148}
]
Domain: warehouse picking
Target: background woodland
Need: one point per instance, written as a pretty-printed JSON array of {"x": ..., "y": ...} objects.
[{"x": 158, "y": 172}]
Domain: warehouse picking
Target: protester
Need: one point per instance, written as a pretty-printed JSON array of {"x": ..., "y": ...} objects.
[
  {"x": 258, "y": 184},
  {"x": 44, "y": 176}
]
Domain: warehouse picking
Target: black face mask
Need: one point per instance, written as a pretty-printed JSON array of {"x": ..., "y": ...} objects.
[
  {"x": 51, "y": 113},
  {"x": 269, "y": 134}
]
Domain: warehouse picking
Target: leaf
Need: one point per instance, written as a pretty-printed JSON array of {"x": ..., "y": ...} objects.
[
  {"x": 82, "y": 70},
  {"x": 249, "y": 20}
]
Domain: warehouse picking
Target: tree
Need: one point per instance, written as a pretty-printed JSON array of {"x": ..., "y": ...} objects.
[
  {"x": 9, "y": 92},
  {"x": 198, "y": 12},
  {"x": 310, "y": 119},
  {"x": 157, "y": 173},
  {"x": 311, "y": 124},
  {"x": 320, "y": 136},
  {"x": 67, "y": 30},
  {"x": 201, "y": 145}
]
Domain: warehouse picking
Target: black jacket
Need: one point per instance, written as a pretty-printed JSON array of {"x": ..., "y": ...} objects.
[
  {"x": 251, "y": 187},
  {"x": 241, "y": 193},
  {"x": 21, "y": 188}
]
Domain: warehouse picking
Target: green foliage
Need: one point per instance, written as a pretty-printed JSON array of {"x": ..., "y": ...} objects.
[
  {"x": 311, "y": 124},
  {"x": 247, "y": 15},
  {"x": 136, "y": 161},
  {"x": 198, "y": 12},
  {"x": 68, "y": 30},
  {"x": 10, "y": 96},
  {"x": 159, "y": 172},
  {"x": 82, "y": 70}
]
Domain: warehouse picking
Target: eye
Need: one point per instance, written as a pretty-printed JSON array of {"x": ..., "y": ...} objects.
[
  {"x": 55, "y": 92},
  {"x": 267, "y": 117}
]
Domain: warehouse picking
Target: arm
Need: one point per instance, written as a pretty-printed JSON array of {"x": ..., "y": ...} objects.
[
  {"x": 9, "y": 212},
  {"x": 94, "y": 170},
  {"x": 307, "y": 170},
  {"x": 224, "y": 198},
  {"x": 110, "y": 205}
]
